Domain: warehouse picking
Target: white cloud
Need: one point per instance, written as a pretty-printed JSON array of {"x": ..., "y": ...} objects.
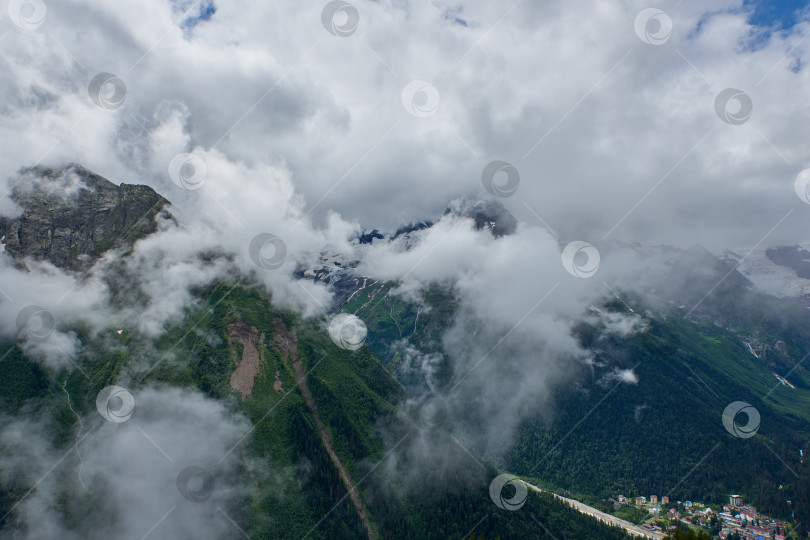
[
  {"x": 619, "y": 324},
  {"x": 127, "y": 473},
  {"x": 65, "y": 299},
  {"x": 626, "y": 376},
  {"x": 304, "y": 136},
  {"x": 329, "y": 107}
]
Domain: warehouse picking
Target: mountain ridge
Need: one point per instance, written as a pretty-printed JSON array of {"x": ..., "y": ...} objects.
[
  {"x": 71, "y": 216},
  {"x": 322, "y": 419}
]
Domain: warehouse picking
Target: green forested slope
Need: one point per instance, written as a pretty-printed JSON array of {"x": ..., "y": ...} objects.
[
  {"x": 664, "y": 434},
  {"x": 358, "y": 401}
]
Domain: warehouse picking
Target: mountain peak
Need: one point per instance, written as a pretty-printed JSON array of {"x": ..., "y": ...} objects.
[
  {"x": 70, "y": 216},
  {"x": 487, "y": 214}
]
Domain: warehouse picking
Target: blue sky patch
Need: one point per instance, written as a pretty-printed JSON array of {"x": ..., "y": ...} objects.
[
  {"x": 196, "y": 12},
  {"x": 777, "y": 14}
]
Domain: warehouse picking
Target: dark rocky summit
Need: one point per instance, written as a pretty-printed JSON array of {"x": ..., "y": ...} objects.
[
  {"x": 71, "y": 216},
  {"x": 794, "y": 257}
]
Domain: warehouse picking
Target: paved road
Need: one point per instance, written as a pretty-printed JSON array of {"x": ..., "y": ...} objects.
[{"x": 603, "y": 517}]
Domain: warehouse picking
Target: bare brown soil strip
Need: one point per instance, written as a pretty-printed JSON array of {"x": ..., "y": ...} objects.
[
  {"x": 288, "y": 343},
  {"x": 247, "y": 368},
  {"x": 277, "y": 385}
]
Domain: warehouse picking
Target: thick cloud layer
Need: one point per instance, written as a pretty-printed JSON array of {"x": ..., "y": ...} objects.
[
  {"x": 608, "y": 113},
  {"x": 614, "y": 123},
  {"x": 591, "y": 115},
  {"x": 125, "y": 479}
]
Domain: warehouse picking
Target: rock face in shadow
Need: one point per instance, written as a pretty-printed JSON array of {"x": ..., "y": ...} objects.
[
  {"x": 794, "y": 257},
  {"x": 71, "y": 216},
  {"x": 489, "y": 214}
]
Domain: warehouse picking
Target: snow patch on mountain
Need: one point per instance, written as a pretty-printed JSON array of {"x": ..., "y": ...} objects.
[{"x": 771, "y": 278}]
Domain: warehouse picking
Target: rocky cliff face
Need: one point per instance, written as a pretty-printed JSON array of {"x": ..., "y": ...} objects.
[{"x": 71, "y": 216}]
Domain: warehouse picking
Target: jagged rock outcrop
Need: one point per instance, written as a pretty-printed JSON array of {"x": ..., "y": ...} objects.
[
  {"x": 71, "y": 216},
  {"x": 490, "y": 215},
  {"x": 340, "y": 273}
]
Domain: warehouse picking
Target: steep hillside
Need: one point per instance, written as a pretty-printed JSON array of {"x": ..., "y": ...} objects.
[
  {"x": 665, "y": 433},
  {"x": 328, "y": 451},
  {"x": 338, "y": 428},
  {"x": 711, "y": 340},
  {"x": 70, "y": 216}
]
